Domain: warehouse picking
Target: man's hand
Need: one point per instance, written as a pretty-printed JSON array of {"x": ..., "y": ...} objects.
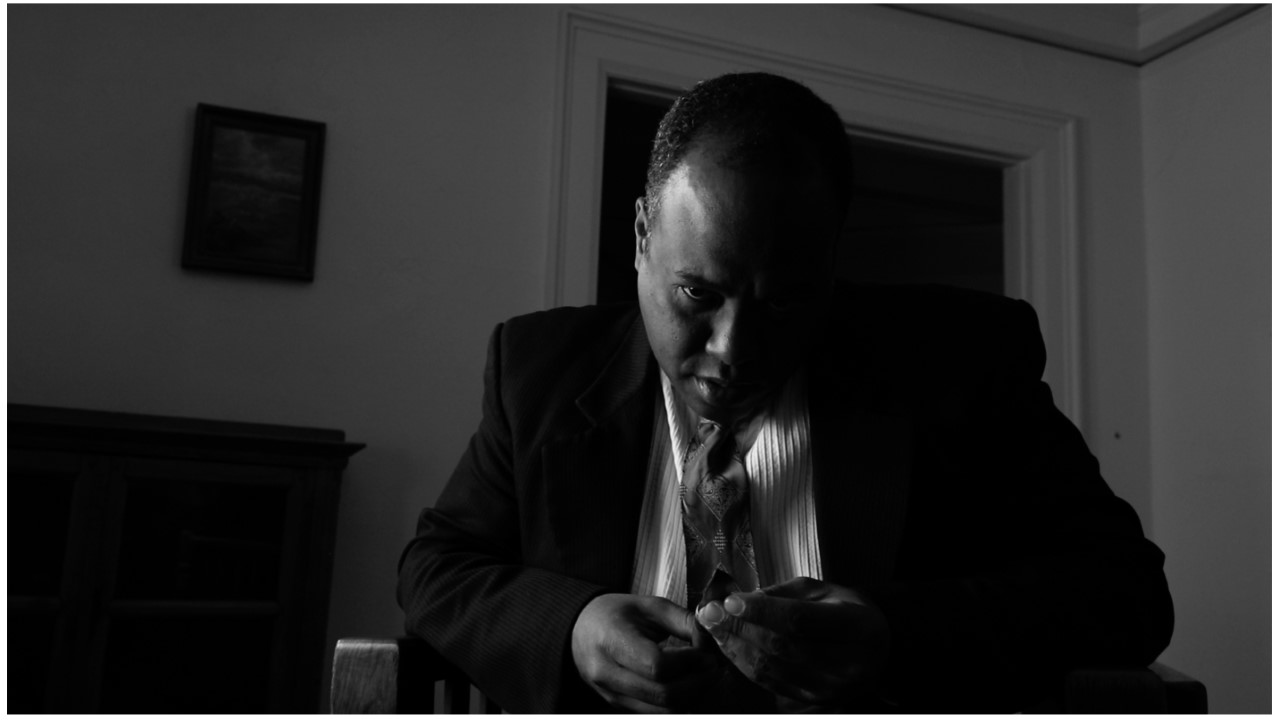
[
  {"x": 805, "y": 639},
  {"x": 616, "y": 646}
]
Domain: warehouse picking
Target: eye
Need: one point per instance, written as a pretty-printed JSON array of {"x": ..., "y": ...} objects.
[{"x": 696, "y": 294}]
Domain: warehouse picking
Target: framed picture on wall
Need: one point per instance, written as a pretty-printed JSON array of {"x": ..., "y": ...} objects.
[{"x": 254, "y": 201}]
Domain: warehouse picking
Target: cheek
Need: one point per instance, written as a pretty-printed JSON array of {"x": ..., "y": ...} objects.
[
  {"x": 683, "y": 337},
  {"x": 687, "y": 341},
  {"x": 671, "y": 332}
]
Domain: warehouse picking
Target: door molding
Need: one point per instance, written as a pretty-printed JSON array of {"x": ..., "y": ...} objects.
[{"x": 1039, "y": 149}]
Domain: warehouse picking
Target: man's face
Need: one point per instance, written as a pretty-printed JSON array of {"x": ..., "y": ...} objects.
[{"x": 734, "y": 274}]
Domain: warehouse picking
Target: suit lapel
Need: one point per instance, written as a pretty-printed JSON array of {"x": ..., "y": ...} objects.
[
  {"x": 596, "y": 477},
  {"x": 862, "y": 476}
]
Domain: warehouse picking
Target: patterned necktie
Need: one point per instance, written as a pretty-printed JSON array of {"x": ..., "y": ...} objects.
[{"x": 717, "y": 514}]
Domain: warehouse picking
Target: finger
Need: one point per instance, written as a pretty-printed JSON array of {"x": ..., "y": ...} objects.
[
  {"x": 685, "y": 691},
  {"x": 805, "y": 683},
  {"x": 702, "y": 639},
  {"x": 628, "y": 689},
  {"x": 845, "y": 646},
  {"x": 655, "y": 619},
  {"x": 650, "y": 660},
  {"x": 763, "y": 641},
  {"x": 824, "y": 650},
  {"x": 634, "y": 653},
  {"x": 744, "y": 655},
  {"x": 800, "y": 588},
  {"x": 808, "y": 674},
  {"x": 699, "y": 638},
  {"x": 629, "y": 703},
  {"x": 798, "y": 679},
  {"x": 799, "y": 620},
  {"x": 676, "y": 664},
  {"x": 759, "y": 667},
  {"x": 720, "y": 624},
  {"x": 668, "y": 617}
]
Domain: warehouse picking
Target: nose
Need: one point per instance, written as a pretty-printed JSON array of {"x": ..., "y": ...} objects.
[{"x": 733, "y": 336}]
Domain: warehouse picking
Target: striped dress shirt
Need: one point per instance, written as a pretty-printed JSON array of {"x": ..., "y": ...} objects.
[{"x": 780, "y": 474}]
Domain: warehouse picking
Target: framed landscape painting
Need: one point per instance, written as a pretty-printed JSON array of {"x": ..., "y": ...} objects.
[{"x": 254, "y": 200}]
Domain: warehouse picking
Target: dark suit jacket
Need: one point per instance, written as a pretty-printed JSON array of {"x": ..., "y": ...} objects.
[{"x": 947, "y": 487}]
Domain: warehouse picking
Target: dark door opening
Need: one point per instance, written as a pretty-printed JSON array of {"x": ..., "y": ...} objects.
[{"x": 917, "y": 216}]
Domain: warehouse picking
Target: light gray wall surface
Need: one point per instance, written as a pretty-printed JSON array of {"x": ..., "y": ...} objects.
[
  {"x": 1207, "y": 170},
  {"x": 434, "y": 219},
  {"x": 433, "y": 210}
]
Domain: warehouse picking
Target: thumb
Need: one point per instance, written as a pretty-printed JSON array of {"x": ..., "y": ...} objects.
[{"x": 672, "y": 618}]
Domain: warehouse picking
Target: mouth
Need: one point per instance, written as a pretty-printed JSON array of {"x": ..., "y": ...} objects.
[{"x": 719, "y": 393}]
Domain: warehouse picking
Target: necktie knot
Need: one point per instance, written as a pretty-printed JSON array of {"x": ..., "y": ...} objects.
[
  {"x": 713, "y": 443},
  {"x": 708, "y": 431}
]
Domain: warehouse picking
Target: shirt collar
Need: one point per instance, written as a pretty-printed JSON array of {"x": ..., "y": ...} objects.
[{"x": 683, "y": 421}]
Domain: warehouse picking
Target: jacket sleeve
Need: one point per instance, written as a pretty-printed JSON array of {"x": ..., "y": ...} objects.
[
  {"x": 466, "y": 588},
  {"x": 1036, "y": 566}
]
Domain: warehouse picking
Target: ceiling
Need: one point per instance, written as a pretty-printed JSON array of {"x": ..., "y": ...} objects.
[{"x": 1130, "y": 33}]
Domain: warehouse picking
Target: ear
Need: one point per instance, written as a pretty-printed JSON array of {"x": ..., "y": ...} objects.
[{"x": 642, "y": 232}]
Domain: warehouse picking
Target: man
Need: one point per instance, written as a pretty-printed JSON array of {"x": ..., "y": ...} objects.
[{"x": 766, "y": 490}]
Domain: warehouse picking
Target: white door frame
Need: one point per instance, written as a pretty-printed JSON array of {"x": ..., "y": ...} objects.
[{"x": 1038, "y": 148}]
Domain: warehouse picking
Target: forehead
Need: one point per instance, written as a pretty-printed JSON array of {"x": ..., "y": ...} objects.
[{"x": 746, "y": 219}]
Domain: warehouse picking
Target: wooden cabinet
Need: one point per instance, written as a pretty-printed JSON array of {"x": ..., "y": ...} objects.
[{"x": 168, "y": 565}]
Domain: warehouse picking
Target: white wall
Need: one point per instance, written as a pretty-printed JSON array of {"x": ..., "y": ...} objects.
[
  {"x": 433, "y": 225},
  {"x": 1207, "y": 168},
  {"x": 433, "y": 215}
]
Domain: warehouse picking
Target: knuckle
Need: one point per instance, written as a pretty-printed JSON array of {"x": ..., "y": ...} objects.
[{"x": 647, "y": 668}]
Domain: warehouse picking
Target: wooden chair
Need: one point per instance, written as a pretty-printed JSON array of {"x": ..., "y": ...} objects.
[{"x": 372, "y": 676}]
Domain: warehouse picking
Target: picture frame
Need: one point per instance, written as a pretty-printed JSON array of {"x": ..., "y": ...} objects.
[{"x": 254, "y": 202}]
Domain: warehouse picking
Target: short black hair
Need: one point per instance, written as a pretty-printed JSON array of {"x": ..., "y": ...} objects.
[{"x": 762, "y": 118}]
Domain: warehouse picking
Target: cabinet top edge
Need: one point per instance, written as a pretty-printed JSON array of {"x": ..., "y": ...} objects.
[{"x": 26, "y": 420}]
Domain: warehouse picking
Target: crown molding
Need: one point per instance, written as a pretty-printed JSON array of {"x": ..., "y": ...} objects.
[{"x": 1134, "y": 34}]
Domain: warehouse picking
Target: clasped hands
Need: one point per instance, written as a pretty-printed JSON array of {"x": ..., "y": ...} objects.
[{"x": 801, "y": 645}]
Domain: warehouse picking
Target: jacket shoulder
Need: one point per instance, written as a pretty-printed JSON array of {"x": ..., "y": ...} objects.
[
  {"x": 930, "y": 305},
  {"x": 548, "y": 359},
  {"x": 567, "y": 336},
  {"x": 934, "y": 330}
]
